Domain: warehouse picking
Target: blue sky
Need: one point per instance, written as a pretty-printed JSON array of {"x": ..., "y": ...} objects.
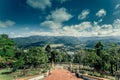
[{"x": 20, "y": 18}]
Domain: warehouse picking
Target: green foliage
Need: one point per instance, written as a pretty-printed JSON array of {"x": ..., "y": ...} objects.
[
  {"x": 65, "y": 57},
  {"x": 99, "y": 47},
  {"x": 56, "y": 56},
  {"x": 35, "y": 56},
  {"x": 48, "y": 48},
  {"x": 92, "y": 59},
  {"x": 4, "y": 76},
  {"x": 79, "y": 56},
  {"x": 2, "y": 62},
  {"x": 104, "y": 59},
  {"x": 59, "y": 57},
  {"x": 53, "y": 55},
  {"x": 100, "y": 58},
  {"x": 7, "y": 46},
  {"x": 7, "y": 51}
]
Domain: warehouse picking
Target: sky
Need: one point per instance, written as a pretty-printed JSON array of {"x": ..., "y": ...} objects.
[{"x": 86, "y": 18}]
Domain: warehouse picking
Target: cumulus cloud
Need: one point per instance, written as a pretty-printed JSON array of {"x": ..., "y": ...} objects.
[
  {"x": 117, "y": 10},
  {"x": 111, "y": 29},
  {"x": 86, "y": 29},
  {"x": 51, "y": 24},
  {"x": 89, "y": 29},
  {"x": 93, "y": 29},
  {"x": 117, "y": 6},
  {"x": 59, "y": 15},
  {"x": 83, "y": 14},
  {"x": 7, "y": 23},
  {"x": 56, "y": 18},
  {"x": 76, "y": 30},
  {"x": 100, "y": 20},
  {"x": 39, "y": 4},
  {"x": 106, "y": 27},
  {"x": 116, "y": 24},
  {"x": 101, "y": 13},
  {"x": 33, "y": 33}
]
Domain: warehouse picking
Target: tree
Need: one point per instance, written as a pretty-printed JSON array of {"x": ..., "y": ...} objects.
[
  {"x": 99, "y": 59},
  {"x": 99, "y": 47},
  {"x": 79, "y": 57},
  {"x": 19, "y": 60},
  {"x": 113, "y": 50},
  {"x": 35, "y": 57},
  {"x": 7, "y": 49},
  {"x": 54, "y": 57},
  {"x": 59, "y": 57},
  {"x": 48, "y": 50},
  {"x": 4, "y": 36},
  {"x": 7, "y": 46},
  {"x": 93, "y": 60}
]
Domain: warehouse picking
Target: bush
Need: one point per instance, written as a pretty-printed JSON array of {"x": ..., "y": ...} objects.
[
  {"x": 82, "y": 72},
  {"x": 95, "y": 74}
]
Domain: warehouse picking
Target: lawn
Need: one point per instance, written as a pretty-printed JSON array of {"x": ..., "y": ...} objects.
[{"x": 6, "y": 75}]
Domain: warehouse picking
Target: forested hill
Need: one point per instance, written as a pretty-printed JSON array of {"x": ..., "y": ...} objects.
[{"x": 66, "y": 40}]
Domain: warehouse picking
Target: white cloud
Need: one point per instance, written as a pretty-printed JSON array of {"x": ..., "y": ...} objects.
[
  {"x": 95, "y": 27},
  {"x": 85, "y": 29},
  {"x": 7, "y": 23},
  {"x": 83, "y": 26},
  {"x": 106, "y": 27},
  {"x": 83, "y": 14},
  {"x": 117, "y": 6},
  {"x": 39, "y": 4},
  {"x": 100, "y": 20},
  {"x": 116, "y": 24},
  {"x": 101, "y": 13},
  {"x": 92, "y": 29},
  {"x": 59, "y": 15},
  {"x": 77, "y": 30},
  {"x": 56, "y": 18},
  {"x": 117, "y": 10},
  {"x": 51, "y": 24},
  {"x": 32, "y": 33}
]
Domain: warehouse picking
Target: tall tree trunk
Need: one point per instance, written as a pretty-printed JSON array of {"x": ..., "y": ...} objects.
[
  {"x": 111, "y": 68},
  {"x": 53, "y": 65}
]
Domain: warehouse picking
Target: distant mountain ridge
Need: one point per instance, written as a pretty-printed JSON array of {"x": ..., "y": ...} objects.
[{"x": 66, "y": 40}]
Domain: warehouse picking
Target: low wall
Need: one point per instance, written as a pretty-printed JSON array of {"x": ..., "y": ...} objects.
[{"x": 92, "y": 77}]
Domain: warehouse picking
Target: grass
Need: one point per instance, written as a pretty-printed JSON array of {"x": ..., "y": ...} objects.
[{"x": 6, "y": 75}]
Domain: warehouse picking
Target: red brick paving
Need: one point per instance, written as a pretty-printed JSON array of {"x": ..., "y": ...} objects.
[{"x": 62, "y": 74}]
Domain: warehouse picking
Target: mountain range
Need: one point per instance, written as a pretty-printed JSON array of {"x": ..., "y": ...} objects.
[{"x": 66, "y": 40}]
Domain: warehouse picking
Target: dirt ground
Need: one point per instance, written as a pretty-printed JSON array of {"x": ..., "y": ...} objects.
[{"x": 61, "y": 74}]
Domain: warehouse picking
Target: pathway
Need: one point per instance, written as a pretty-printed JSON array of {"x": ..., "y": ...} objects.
[{"x": 62, "y": 74}]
